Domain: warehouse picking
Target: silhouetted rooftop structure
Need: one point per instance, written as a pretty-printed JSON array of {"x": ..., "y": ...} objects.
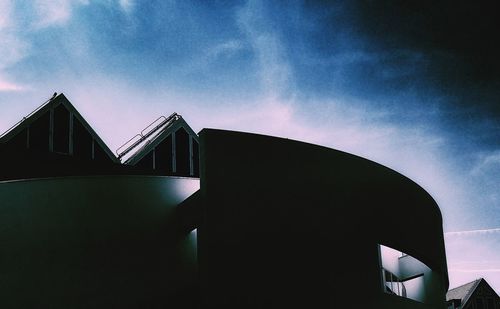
[
  {"x": 168, "y": 144},
  {"x": 56, "y": 140},
  {"x": 476, "y": 294},
  {"x": 269, "y": 223}
]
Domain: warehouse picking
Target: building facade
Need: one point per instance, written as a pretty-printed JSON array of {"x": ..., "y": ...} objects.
[{"x": 269, "y": 222}]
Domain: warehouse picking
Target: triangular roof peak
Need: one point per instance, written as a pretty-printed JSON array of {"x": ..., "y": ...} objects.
[
  {"x": 464, "y": 291},
  {"x": 26, "y": 120},
  {"x": 53, "y": 102},
  {"x": 147, "y": 141},
  {"x": 470, "y": 291}
]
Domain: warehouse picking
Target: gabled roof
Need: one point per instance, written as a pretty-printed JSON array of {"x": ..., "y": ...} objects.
[
  {"x": 149, "y": 144},
  {"x": 463, "y": 292},
  {"x": 42, "y": 109}
]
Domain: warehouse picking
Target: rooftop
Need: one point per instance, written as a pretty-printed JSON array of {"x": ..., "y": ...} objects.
[{"x": 463, "y": 292}]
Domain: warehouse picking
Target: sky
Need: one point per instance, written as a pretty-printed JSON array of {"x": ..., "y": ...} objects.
[{"x": 413, "y": 86}]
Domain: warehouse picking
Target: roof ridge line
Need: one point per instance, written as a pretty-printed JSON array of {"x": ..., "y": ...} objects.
[
  {"x": 471, "y": 291},
  {"x": 6, "y": 132},
  {"x": 462, "y": 285}
]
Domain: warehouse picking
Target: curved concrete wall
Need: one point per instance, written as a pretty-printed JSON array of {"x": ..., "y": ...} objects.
[
  {"x": 95, "y": 242},
  {"x": 287, "y": 223}
]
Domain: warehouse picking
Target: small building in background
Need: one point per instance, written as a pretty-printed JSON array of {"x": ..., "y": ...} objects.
[{"x": 477, "y": 294}]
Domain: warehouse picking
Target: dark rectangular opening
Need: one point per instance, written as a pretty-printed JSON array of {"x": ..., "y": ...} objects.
[
  {"x": 196, "y": 159},
  {"x": 61, "y": 129},
  {"x": 82, "y": 141},
  {"x": 163, "y": 156},
  {"x": 182, "y": 152},
  {"x": 39, "y": 133}
]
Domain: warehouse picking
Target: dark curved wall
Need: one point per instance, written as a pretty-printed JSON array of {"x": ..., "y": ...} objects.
[
  {"x": 280, "y": 224},
  {"x": 96, "y": 242},
  {"x": 287, "y": 223}
]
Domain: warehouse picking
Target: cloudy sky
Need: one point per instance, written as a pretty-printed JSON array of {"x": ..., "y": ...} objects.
[{"x": 414, "y": 87}]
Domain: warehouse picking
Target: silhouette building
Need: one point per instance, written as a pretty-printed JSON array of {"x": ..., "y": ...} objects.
[
  {"x": 477, "y": 294},
  {"x": 217, "y": 220}
]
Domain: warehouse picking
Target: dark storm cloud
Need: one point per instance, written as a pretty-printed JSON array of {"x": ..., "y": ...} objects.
[
  {"x": 459, "y": 38},
  {"x": 427, "y": 62},
  {"x": 421, "y": 63}
]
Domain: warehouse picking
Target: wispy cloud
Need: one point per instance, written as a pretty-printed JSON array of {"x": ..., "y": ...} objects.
[
  {"x": 226, "y": 48},
  {"x": 6, "y": 86},
  {"x": 202, "y": 62},
  {"x": 271, "y": 117},
  {"x": 486, "y": 162},
  {"x": 273, "y": 68},
  {"x": 473, "y": 254},
  {"x": 494, "y": 270},
  {"x": 59, "y": 12},
  {"x": 126, "y": 5},
  {"x": 51, "y": 12},
  {"x": 5, "y": 17},
  {"x": 12, "y": 47},
  {"x": 473, "y": 232}
]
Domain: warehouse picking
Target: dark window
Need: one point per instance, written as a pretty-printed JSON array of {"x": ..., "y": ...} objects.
[
  {"x": 39, "y": 133},
  {"x": 146, "y": 163},
  {"x": 61, "y": 129},
  {"x": 82, "y": 141},
  {"x": 163, "y": 156},
  {"x": 196, "y": 159},
  {"x": 182, "y": 152}
]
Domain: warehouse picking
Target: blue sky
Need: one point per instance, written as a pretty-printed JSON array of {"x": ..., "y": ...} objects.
[{"x": 394, "y": 84}]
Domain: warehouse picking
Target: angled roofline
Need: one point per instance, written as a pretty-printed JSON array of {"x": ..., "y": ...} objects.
[
  {"x": 470, "y": 291},
  {"x": 489, "y": 286},
  {"x": 26, "y": 120},
  {"x": 84, "y": 122},
  {"x": 47, "y": 105},
  {"x": 180, "y": 122}
]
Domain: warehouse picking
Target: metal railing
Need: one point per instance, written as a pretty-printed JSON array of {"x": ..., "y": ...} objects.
[
  {"x": 159, "y": 123},
  {"x": 393, "y": 284}
]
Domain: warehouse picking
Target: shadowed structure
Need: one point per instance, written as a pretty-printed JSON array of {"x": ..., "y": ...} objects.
[
  {"x": 477, "y": 294},
  {"x": 287, "y": 223},
  {"x": 279, "y": 223}
]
